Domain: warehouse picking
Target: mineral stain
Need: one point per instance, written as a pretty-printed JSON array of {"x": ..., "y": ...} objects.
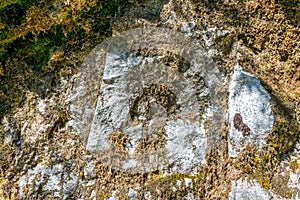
[{"x": 240, "y": 125}]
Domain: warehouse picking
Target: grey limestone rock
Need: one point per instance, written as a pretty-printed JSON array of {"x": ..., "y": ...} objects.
[
  {"x": 245, "y": 190},
  {"x": 250, "y": 114},
  {"x": 152, "y": 104}
]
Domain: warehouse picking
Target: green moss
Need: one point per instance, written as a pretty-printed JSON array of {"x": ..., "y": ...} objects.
[
  {"x": 294, "y": 165},
  {"x": 291, "y": 10},
  {"x": 101, "y": 195},
  {"x": 285, "y": 133},
  {"x": 26, "y": 48},
  {"x": 173, "y": 178},
  {"x": 13, "y": 12},
  {"x": 258, "y": 164}
]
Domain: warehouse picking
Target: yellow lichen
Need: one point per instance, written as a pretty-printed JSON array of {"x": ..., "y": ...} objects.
[{"x": 294, "y": 165}]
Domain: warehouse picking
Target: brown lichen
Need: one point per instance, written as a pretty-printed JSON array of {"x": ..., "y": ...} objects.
[
  {"x": 154, "y": 94},
  {"x": 152, "y": 141},
  {"x": 118, "y": 140}
]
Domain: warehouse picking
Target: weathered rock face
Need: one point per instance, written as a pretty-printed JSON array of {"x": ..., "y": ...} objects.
[
  {"x": 48, "y": 179},
  {"x": 242, "y": 190},
  {"x": 250, "y": 114},
  {"x": 150, "y": 116},
  {"x": 136, "y": 98}
]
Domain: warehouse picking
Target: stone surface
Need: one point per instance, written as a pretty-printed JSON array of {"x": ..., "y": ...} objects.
[
  {"x": 294, "y": 184},
  {"x": 43, "y": 148},
  {"x": 132, "y": 194},
  {"x": 250, "y": 114},
  {"x": 123, "y": 80},
  {"x": 48, "y": 179},
  {"x": 245, "y": 190},
  {"x": 159, "y": 109},
  {"x": 187, "y": 28}
]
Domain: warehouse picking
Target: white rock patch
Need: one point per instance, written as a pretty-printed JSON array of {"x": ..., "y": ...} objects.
[
  {"x": 49, "y": 179},
  {"x": 250, "y": 114},
  {"x": 244, "y": 190},
  {"x": 123, "y": 77}
]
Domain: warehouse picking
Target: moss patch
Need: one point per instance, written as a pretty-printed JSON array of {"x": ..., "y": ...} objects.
[
  {"x": 36, "y": 31},
  {"x": 294, "y": 165}
]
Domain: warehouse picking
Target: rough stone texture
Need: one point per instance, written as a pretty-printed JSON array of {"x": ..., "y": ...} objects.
[
  {"x": 244, "y": 190},
  {"x": 288, "y": 175},
  {"x": 49, "y": 179},
  {"x": 149, "y": 102},
  {"x": 123, "y": 79},
  {"x": 43, "y": 146},
  {"x": 250, "y": 114}
]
